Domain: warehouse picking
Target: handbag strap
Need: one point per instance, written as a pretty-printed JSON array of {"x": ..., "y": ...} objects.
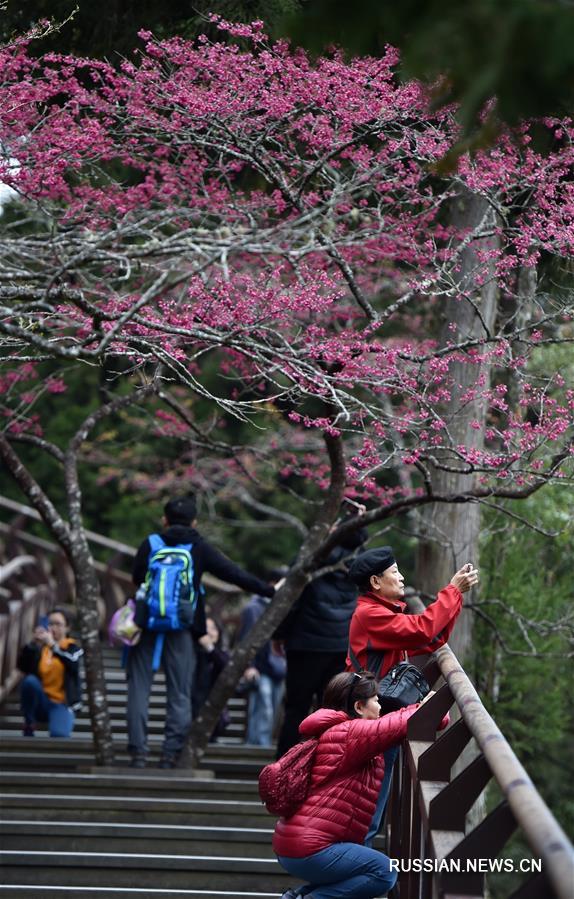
[
  {"x": 354, "y": 660},
  {"x": 375, "y": 658}
]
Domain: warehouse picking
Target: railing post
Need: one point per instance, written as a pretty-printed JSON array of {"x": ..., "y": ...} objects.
[{"x": 484, "y": 842}]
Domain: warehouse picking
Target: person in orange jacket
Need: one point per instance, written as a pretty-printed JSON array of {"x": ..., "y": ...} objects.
[
  {"x": 51, "y": 689},
  {"x": 381, "y": 635}
]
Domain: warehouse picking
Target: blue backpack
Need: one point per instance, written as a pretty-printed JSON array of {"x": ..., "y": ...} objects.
[{"x": 169, "y": 593}]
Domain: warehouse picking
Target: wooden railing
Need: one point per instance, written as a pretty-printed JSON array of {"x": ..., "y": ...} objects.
[
  {"x": 16, "y": 625},
  {"x": 429, "y": 805}
]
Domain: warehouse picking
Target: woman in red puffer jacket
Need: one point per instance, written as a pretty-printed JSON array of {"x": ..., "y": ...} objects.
[{"x": 322, "y": 842}]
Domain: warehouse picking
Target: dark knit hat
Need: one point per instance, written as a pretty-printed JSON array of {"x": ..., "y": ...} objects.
[
  {"x": 181, "y": 510},
  {"x": 374, "y": 561}
]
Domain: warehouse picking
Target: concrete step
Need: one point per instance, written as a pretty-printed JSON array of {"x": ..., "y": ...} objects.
[
  {"x": 81, "y": 762},
  {"x": 147, "y": 781},
  {"x": 226, "y": 759},
  {"x": 19, "y": 891},
  {"x": 143, "y": 870},
  {"x": 97, "y": 814},
  {"x": 125, "y": 809},
  {"x": 81, "y": 836},
  {"x": 70, "y": 828},
  {"x": 117, "y": 697},
  {"x": 223, "y": 749},
  {"x": 156, "y": 725},
  {"x": 129, "y": 784}
]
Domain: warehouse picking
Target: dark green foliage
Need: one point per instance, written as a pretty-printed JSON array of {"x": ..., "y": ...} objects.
[
  {"x": 530, "y": 696},
  {"x": 519, "y": 51},
  {"x": 109, "y": 29}
]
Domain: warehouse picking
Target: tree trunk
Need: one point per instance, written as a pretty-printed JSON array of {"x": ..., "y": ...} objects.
[
  {"x": 450, "y": 531},
  {"x": 87, "y": 596}
]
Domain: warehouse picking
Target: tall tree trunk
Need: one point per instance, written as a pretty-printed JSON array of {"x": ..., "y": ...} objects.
[
  {"x": 87, "y": 597},
  {"x": 450, "y": 531}
]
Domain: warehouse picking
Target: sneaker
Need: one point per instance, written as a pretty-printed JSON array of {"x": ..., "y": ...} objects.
[
  {"x": 137, "y": 761},
  {"x": 167, "y": 761},
  {"x": 291, "y": 893},
  {"x": 28, "y": 730}
]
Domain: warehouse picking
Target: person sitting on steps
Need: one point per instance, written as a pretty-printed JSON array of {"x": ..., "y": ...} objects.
[{"x": 50, "y": 690}]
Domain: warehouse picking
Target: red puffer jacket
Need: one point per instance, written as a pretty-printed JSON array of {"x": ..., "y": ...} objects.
[{"x": 347, "y": 774}]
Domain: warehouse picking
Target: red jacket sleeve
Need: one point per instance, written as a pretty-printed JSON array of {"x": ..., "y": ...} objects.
[
  {"x": 369, "y": 738},
  {"x": 426, "y": 631}
]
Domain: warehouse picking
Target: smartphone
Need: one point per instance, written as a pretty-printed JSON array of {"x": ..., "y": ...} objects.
[{"x": 43, "y": 622}]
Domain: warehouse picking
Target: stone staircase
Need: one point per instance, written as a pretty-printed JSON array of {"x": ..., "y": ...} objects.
[{"x": 69, "y": 827}]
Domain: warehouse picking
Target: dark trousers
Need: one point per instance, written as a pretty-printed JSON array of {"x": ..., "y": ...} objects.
[
  {"x": 308, "y": 673},
  {"x": 178, "y": 663}
]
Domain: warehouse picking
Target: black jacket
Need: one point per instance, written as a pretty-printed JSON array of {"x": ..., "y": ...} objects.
[
  {"x": 205, "y": 558},
  {"x": 29, "y": 659},
  {"x": 319, "y": 620}
]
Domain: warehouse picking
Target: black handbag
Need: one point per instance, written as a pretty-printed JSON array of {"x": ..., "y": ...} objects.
[{"x": 403, "y": 685}]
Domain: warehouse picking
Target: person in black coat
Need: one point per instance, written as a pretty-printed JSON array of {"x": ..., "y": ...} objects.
[
  {"x": 211, "y": 660},
  {"x": 315, "y": 636},
  {"x": 178, "y": 653}
]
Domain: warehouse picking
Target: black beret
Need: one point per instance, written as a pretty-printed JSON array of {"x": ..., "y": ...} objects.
[{"x": 374, "y": 561}]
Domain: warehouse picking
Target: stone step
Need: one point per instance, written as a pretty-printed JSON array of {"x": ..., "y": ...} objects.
[
  {"x": 224, "y": 749},
  {"x": 127, "y": 808},
  {"x": 143, "y": 870},
  {"x": 82, "y": 762},
  {"x": 19, "y": 891},
  {"x": 81, "y": 836},
  {"x": 156, "y": 725},
  {"x": 15, "y": 811},
  {"x": 128, "y": 784},
  {"x": 150, "y": 780},
  {"x": 69, "y": 827},
  {"x": 117, "y": 699}
]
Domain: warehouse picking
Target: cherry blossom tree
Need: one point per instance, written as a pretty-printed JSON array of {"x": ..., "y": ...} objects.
[{"x": 279, "y": 239}]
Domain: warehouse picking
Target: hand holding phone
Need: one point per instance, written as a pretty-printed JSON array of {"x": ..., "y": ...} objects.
[{"x": 465, "y": 578}]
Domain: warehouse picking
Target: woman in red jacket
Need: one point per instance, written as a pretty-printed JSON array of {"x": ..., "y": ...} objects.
[{"x": 322, "y": 842}]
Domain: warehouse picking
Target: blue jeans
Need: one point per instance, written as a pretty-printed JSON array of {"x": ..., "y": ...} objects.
[
  {"x": 389, "y": 757},
  {"x": 36, "y": 706},
  {"x": 343, "y": 871},
  {"x": 262, "y": 709}
]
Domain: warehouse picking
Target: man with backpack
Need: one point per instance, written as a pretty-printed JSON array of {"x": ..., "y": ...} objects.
[{"x": 169, "y": 607}]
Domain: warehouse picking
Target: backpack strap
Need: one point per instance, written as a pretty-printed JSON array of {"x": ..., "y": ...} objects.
[
  {"x": 158, "y": 649},
  {"x": 155, "y": 543}
]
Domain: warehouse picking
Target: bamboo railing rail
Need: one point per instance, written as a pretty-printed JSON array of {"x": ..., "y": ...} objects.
[{"x": 429, "y": 805}]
